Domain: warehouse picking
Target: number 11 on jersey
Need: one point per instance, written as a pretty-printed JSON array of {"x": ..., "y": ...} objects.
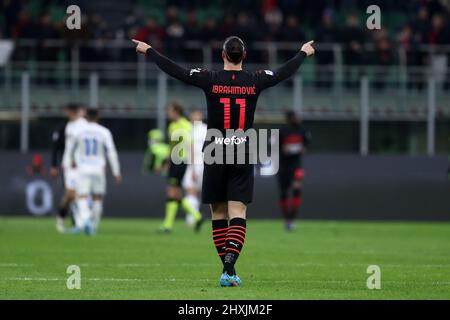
[{"x": 227, "y": 112}]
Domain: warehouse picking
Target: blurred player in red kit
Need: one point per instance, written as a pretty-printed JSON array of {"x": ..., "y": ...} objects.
[{"x": 294, "y": 139}]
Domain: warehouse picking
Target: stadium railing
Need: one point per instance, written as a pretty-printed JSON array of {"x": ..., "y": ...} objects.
[{"x": 127, "y": 86}]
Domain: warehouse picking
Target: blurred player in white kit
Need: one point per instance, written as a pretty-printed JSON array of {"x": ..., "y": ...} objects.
[
  {"x": 75, "y": 115},
  {"x": 87, "y": 153},
  {"x": 192, "y": 181}
]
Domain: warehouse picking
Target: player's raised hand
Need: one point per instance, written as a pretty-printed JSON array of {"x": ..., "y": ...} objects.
[
  {"x": 308, "y": 48},
  {"x": 141, "y": 47},
  {"x": 118, "y": 179}
]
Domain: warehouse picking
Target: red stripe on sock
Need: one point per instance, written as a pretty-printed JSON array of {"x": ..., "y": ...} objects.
[
  {"x": 218, "y": 240},
  {"x": 217, "y": 230},
  {"x": 232, "y": 249},
  {"x": 220, "y": 244},
  {"x": 236, "y": 230},
  {"x": 235, "y": 235},
  {"x": 222, "y": 254},
  {"x": 242, "y": 234},
  {"x": 235, "y": 239},
  {"x": 219, "y": 235},
  {"x": 243, "y": 228}
]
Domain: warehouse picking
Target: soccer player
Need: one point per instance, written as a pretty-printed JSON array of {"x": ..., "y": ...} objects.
[
  {"x": 294, "y": 139},
  {"x": 231, "y": 95},
  {"x": 177, "y": 169},
  {"x": 57, "y": 150},
  {"x": 192, "y": 181},
  {"x": 88, "y": 152},
  {"x": 62, "y": 138}
]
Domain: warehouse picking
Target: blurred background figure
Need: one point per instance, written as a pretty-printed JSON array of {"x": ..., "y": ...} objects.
[
  {"x": 294, "y": 139},
  {"x": 36, "y": 167},
  {"x": 177, "y": 168},
  {"x": 192, "y": 181},
  {"x": 76, "y": 122},
  {"x": 91, "y": 148},
  {"x": 157, "y": 154}
]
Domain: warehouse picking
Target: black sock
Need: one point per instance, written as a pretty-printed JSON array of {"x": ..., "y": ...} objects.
[
  {"x": 284, "y": 203},
  {"x": 62, "y": 213},
  {"x": 219, "y": 233},
  {"x": 234, "y": 243},
  {"x": 296, "y": 201}
]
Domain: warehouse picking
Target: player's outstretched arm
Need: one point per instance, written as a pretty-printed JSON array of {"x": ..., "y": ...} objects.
[
  {"x": 193, "y": 77},
  {"x": 289, "y": 68}
]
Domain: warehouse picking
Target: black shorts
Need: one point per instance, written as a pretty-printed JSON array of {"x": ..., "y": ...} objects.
[
  {"x": 227, "y": 182},
  {"x": 176, "y": 174},
  {"x": 288, "y": 174}
]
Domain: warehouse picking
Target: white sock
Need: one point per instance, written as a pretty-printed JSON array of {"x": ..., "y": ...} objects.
[
  {"x": 97, "y": 211},
  {"x": 73, "y": 209},
  {"x": 193, "y": 201},
  {"x": 84, "y": 212}
]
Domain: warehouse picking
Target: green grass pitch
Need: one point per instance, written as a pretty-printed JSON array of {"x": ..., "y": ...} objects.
[{"x": 320, "y": 260}]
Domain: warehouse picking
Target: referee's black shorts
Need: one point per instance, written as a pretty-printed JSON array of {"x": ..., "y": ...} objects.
[
  {"x": 176, "y": 174},
  {"x": 227, "y": 182}
]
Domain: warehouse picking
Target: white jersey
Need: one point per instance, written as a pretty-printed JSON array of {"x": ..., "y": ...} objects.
[
  {"x": 71, "y": 131},
  {"x": 199, "y": 130},
  {"x": 92, "y": 145}
]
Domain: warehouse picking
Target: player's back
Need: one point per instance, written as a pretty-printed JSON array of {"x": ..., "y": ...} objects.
[
  {"x": 91, "y": 147},
  {"x": 74, "y": 127},
  {"x": 231, "y": 99}
]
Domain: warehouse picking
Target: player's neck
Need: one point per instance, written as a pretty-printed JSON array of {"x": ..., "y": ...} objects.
[{"x": 232, "y": 67}]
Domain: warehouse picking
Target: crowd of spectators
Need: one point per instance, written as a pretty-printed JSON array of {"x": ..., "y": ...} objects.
[{"x": 325, "y": 21}]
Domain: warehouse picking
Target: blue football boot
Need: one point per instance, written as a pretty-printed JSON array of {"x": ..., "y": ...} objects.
[{"x": 229, "y": 281}]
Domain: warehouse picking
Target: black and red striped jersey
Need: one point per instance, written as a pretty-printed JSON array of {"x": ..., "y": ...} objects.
[
  {"x": 293, "y": 143},
  {"x": 231, "y": 95}
]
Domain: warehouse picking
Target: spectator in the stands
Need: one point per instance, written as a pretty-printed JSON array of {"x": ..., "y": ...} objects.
[
  {"x": 245, "y": 28},
  {"x": 193, "y": 30},
  {"x": 151, "y": 33},
  {"x": 273, "y": 20},
  {"x": 326, "y": 34},
  {"x": 353, "y": 40},
  {"x": 422, "y": 24},
  {"x": 25, "y": 27},
  {"x": 408, "y": 42},
  {"x": 11, "y": 11},
  {"x": 227, "y": 26},
  {"x": 209, "y": 31},
  {"x": 438, "y": 37},
  {"x": 290, "y": 31},
  {"x": 175, "y": 33},
  {"x": 382, "y": 58}
]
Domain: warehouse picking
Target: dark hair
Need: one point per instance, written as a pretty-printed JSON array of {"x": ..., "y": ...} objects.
[
  {"x": 177, "y": 108},
  {"x": 234, "y": 49},
  {"x": 92, "y": 114},
  {"x": 291, "y": 118},
  {"x": 73, "y": 107}
]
